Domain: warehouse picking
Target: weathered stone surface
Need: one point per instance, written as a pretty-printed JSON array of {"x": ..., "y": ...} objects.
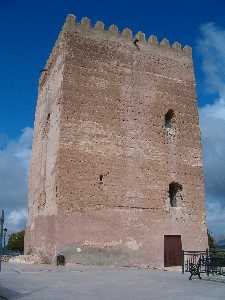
[
  {"x": 27, "y": 259},
  {"x": 102, "y": 158}
]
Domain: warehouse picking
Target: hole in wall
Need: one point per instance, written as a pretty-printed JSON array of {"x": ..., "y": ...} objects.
[
  {"x": 169, "y": 118},
  {"x": 169, "y": 125},
  {"x": 46, "y": 126},
  {"x": 175, "y": 189}
]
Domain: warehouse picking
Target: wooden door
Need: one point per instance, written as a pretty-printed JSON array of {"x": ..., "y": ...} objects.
[{"x": 172, "y": 250}]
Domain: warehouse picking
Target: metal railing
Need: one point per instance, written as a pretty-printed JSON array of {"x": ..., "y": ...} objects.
[{"x": 207, "y": 261}]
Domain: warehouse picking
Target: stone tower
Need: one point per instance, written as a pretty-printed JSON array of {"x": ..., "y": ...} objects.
[{"x": 116, "y": 170}]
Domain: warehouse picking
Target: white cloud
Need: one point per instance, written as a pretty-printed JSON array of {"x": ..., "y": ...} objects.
[
  {"x": 212, "y": 120},
  {"x": 14, "y": 162},
  {"x": 211, "y": 46},
  {"x": 17, "y": 219}
]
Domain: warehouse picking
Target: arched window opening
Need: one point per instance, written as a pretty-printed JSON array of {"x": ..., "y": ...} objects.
[
  {"x": 170, "y": 130},
  {"x": 48, "y": 117},
  {"x": 46, "y": 126},
  {"x": 169, "y": 119},
  {"x": 175, "y": 189},
  {"x": 101, "y": 178}
]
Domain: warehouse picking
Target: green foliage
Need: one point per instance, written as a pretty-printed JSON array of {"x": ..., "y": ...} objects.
[
  {"x": 211, "y": 241},
  {"x": 220, "y": 254},
  {"x": 16, "y": 241}
]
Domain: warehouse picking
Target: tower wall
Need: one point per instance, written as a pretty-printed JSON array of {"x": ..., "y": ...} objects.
[
  {"x": 42, "y": 209},
  {"x": 110, "y": 159}
]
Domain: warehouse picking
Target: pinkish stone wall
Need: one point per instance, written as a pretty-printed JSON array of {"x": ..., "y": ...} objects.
[
  {"x": 108, "y": 159},
  {"x": 42, "y": 207}
]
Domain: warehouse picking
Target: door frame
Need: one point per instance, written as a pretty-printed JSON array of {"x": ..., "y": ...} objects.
[{"x": 180, "y": 244}]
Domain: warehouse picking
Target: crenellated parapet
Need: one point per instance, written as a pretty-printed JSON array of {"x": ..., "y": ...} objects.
[
  {"x": 112, "y": 32},
  {"x": 71, "y": 24}
]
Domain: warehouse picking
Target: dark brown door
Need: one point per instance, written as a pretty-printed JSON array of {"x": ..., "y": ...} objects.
[{"x": 172, "y": 250}]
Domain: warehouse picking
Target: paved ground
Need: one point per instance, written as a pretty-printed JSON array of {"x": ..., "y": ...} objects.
[{"x": 102, "y": 283}]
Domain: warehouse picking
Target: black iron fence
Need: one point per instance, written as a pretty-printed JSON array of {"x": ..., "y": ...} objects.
[{"x": 208, "y": 261}]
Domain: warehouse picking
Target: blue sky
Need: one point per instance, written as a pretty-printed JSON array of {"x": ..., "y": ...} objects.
[{"x": 28, "y": 32}]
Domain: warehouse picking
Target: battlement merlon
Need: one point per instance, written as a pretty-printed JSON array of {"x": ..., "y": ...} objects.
[
  {"x": 85, "y": 24},
  {"x": 113, "y": 32}
]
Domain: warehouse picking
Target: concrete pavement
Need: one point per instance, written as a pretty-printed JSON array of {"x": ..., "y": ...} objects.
[{"x": 40, "y": 282}]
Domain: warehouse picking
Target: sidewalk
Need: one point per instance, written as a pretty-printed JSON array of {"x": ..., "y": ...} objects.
[{"x": 40, "y": 282}]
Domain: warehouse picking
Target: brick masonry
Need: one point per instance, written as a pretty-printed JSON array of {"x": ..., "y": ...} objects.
[{"x": 102, "y": 158}]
